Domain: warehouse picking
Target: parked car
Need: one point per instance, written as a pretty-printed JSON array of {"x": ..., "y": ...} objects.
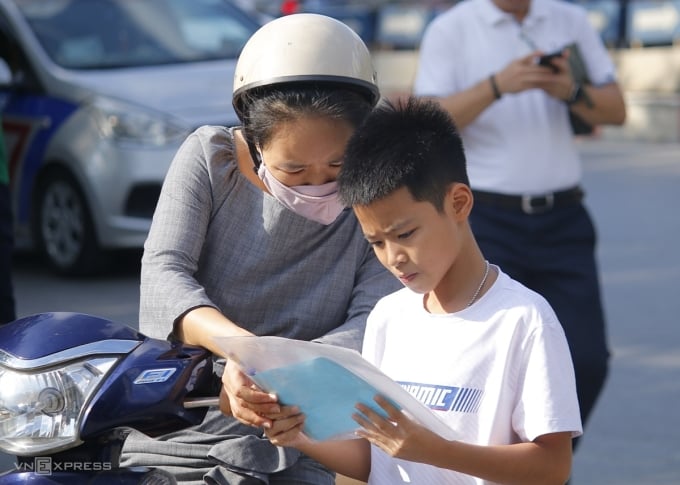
[{"x": 95, "y": 97}]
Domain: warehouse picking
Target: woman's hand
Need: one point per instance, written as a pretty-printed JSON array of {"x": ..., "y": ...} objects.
[{"x": 242, "y": 399}]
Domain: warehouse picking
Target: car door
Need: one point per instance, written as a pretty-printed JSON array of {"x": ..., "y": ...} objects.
[{"x": 29, "y": 119}]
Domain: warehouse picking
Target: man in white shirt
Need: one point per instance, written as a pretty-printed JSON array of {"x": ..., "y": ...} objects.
[{"x": 480, "y": 60}]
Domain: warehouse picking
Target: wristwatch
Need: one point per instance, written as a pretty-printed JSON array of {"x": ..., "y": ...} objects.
[{"x": 579, "y": 94}]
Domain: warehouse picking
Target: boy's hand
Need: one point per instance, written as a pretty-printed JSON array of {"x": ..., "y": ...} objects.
[
  {"x": 286, "y": 429},
  {"x": 398, "y": 435}
]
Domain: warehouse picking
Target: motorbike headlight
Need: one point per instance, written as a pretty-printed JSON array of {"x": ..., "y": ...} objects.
[
  {"x": 128, "y": 123},
  {"x": 41, "y": 410}
]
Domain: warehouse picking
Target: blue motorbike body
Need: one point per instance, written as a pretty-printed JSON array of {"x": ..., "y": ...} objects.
[{"x": 145, "y": 390}]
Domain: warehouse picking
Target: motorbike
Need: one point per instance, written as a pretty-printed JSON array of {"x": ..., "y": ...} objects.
[{"x": 72, "y": 386}]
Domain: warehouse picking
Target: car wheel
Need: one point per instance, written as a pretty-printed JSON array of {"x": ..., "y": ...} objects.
[{"x": 63, "y": 226}]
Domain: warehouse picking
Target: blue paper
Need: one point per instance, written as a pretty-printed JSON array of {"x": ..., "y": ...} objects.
[
  {"x": 325, "y": 381},
  {"x": 325, "y": 392}
]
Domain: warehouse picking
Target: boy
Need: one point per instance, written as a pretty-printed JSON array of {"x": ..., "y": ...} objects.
[{"x": 489, "y": 348}]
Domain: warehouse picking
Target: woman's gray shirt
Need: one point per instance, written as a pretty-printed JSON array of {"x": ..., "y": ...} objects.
[{"x": 217, "y": 240}]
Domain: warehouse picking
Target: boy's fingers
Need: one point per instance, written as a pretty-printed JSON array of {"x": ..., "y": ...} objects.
[
  {"x": 364, "y": 423},
  {"x": 393, "y": 412},
  {"x": 286, "y": 431},
  {"x": 371, "y": 420}
]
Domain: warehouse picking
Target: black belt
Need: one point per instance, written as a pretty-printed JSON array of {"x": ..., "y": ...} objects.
[{"x": 531, "y": 204}]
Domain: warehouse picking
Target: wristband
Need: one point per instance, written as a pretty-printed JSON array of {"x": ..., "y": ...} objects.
[{"x": 496, "y": 92}]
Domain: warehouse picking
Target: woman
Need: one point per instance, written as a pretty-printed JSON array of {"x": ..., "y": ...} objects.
[{"x": 249, "y": 238}]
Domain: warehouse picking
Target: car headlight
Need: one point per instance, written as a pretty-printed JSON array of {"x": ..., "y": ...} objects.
[
  {"x": 41, "y": 410},
  {"x": 129, "y": 123}
]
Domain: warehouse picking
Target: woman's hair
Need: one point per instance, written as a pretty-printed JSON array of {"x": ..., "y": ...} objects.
[
  {"x": 413, "y": 144},
  {"x": 268, "y": 108}
]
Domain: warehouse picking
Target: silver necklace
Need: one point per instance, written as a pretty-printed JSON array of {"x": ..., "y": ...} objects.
[{"x": 481, "y": 285}]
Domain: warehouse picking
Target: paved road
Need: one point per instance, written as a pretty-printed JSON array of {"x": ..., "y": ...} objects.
[
  {"x": 633, "y": 191},
  {"x": 634, "y": 435}
]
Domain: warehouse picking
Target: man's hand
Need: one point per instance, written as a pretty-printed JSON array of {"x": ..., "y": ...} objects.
[
  {"x": 522, "y": 74},
  {"x": 525, "y": 73},
  {"x": 242, "y": 399},
  {"x": 560, "y": 82}
]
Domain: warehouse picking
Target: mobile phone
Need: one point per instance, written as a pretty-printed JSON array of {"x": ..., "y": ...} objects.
[{"x": 546, "y": 60}]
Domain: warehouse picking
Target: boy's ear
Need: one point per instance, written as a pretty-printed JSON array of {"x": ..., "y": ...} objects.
[{"x": 460, "y": 198}]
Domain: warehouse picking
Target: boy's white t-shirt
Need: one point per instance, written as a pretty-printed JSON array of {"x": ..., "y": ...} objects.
[{"x": 498, "y": 372}]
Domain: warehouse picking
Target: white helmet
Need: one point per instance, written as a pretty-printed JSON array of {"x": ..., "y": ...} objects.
[{"x": 304, "y": 47}]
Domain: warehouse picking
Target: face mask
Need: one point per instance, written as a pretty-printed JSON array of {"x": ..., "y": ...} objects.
[{"x": 318, "y": 203}]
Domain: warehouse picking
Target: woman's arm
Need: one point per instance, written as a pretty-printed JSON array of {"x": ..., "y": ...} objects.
[
  {"x": 168, "y": 287},
  {"x": 172, "y": 300},
  {"x": 171, "y": 297},
  {"x": 200, "y": 325}
]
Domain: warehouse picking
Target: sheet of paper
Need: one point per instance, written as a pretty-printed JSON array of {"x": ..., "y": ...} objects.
[
  {"x": 326, "y": 393},
  {"x": 325, "y": 381}
]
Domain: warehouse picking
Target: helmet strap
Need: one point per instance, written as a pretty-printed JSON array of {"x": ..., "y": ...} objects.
[{"x": 255, "y": 155}]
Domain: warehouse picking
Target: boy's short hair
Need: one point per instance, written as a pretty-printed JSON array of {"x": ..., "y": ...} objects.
[{"x": 412, "y": 144}]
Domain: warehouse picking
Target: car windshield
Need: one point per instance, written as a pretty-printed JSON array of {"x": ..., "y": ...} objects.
[{"x": 100, "y": 34}]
